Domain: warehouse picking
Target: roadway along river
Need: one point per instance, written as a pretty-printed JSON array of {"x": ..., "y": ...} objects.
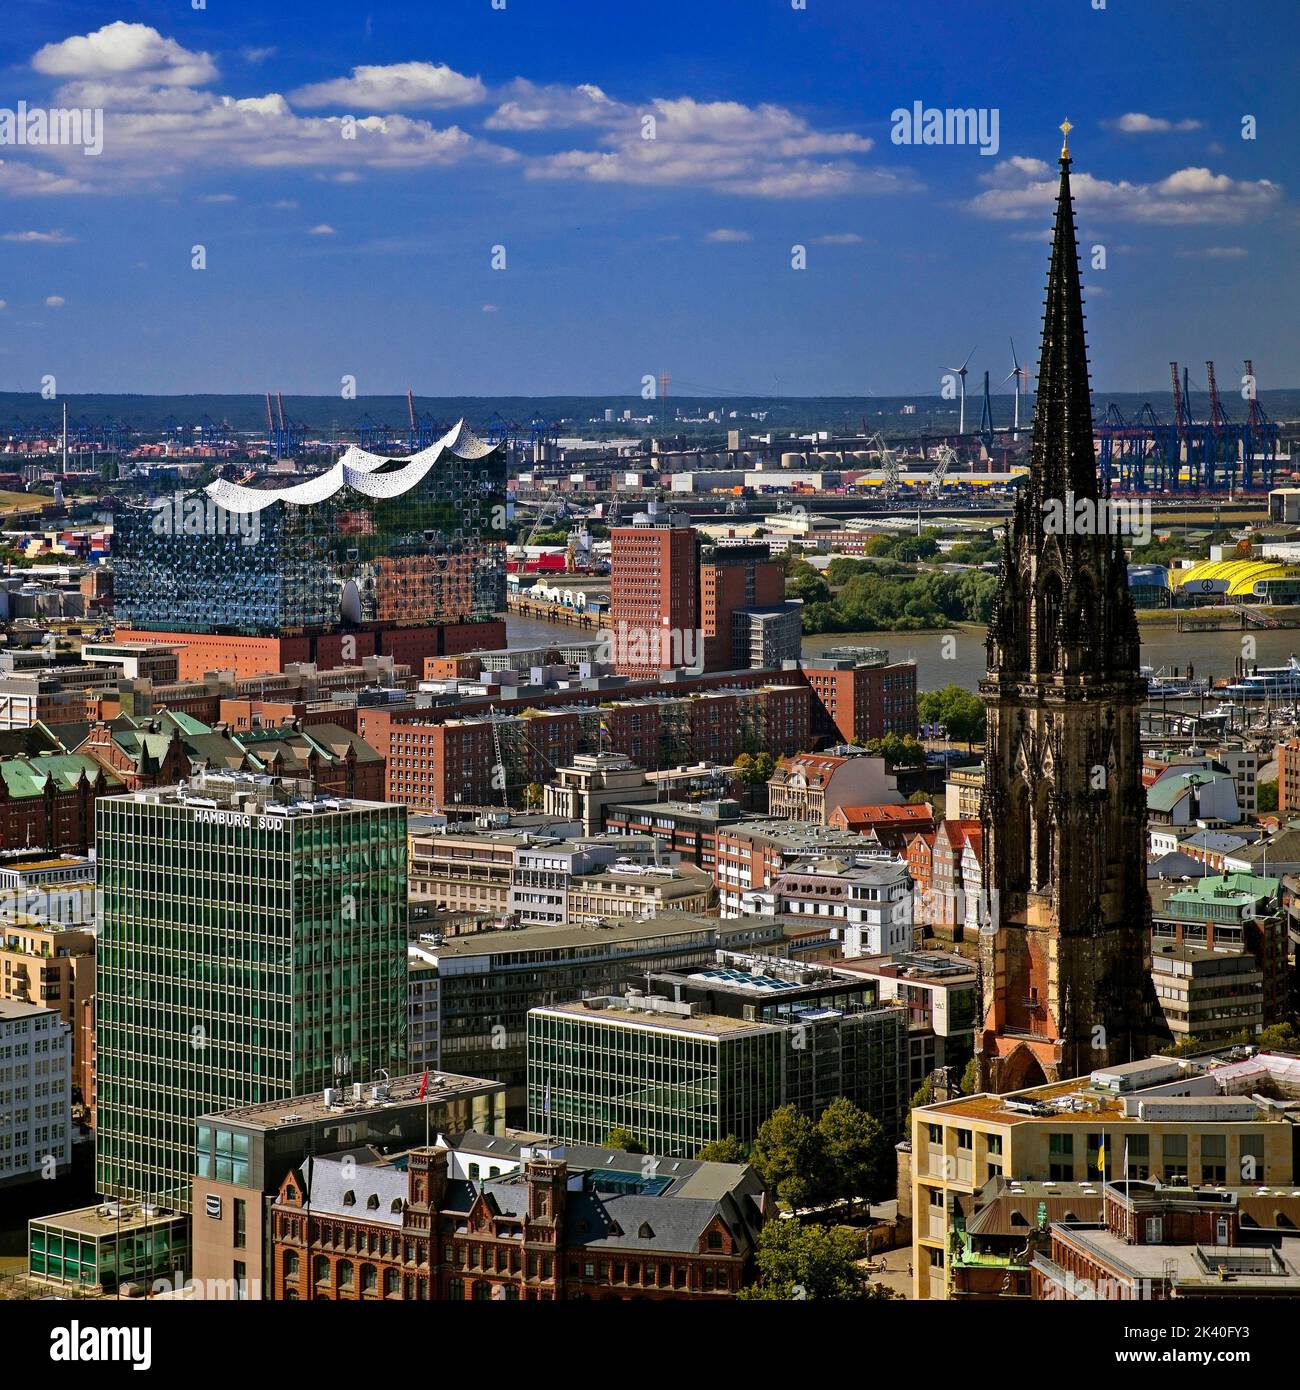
[{"x": 957, "y": 657}]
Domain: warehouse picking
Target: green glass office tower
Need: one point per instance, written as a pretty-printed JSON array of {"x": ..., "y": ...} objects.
[{"x": 252, "y": 946}]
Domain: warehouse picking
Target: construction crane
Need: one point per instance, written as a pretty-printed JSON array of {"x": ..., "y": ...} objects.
[
  {"x": 947, "y": 457},
  {"x": 889, "y": 472},
  {"x": 555, "y": 510}
]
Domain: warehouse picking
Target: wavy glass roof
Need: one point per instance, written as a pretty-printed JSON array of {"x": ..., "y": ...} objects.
[{"x": 357, "y": 470}]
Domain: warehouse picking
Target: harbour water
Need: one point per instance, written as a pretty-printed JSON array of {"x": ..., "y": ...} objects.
[{"x": 956, "y": 656}]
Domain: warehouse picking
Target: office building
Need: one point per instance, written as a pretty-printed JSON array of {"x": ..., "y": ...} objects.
[
  {"x": 679, "y": 1074},
  {"x": 244, "y": 1154},
  {"x": 654, "y": 595},
  {"x": 252, "y": 946},
  {"x": 859, "y": 694},
  {"x": 488, "y": 982},
  {"x": 1185, "y": 1122},
  {"x": 1154, "y": 1242},
  {"x": 941, "y": 993},
  {"x": 35, "y": 1093},
  {"x": 53, "y": 967}
]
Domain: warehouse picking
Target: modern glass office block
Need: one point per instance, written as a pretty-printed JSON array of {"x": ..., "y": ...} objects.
[{"x": 252, "y": 946}]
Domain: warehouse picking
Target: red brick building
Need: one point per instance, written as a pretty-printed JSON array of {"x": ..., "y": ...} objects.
[
  {"x": 654, "y": 594},
  {"x": 201, "y": 652},
  {"x": 920, "y": 864},
  {"x": 734, "y": 577},
  {"x": 49, "y": 800},
  {"x": 501, "y": 1221},
  {"x": 858, "y": 700},
  {"x": 452, "y": 761}
]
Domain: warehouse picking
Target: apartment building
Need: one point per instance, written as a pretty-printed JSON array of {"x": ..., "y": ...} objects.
[{"x": 35, "y": 1093}]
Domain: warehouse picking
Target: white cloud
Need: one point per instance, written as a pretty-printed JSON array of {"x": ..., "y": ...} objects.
[
  {"x": 55, "y": 301},
  {"x": 218, "y": 198},
  {"x": 398, "y": 86},
  {"x": 1215, "y": 253},
  {"x": 163, "y": 120},
  {"x": 256, "y": 55},
  {"x": 1135, "y": 123},
  {"x": 489, "y": 308},
  {"x": 55, "y": 238},
  {"x": 1192, "y": 195},
  {"x": 728, "y": 234},
  {"x": 321, "y": 229},
  {"x": 839, "y": 239},
  {"x": 119, "y": 49},
  {"x": 532, "y": 107},
  {"x": 23, "y": 180},
  {"x": 762, "y": 151}
]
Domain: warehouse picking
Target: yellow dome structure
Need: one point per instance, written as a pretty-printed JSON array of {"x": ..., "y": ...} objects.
[{"x": 1241, "y": 576}]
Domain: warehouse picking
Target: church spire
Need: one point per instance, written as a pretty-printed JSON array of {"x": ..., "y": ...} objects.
[{"x": 1063, "y": 458}]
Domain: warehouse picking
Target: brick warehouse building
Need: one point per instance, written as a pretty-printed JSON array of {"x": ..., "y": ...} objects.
[
  {"x": 49, "y": 800},
  {"x": 451, "y": 762},
  {"x": 478, "y": 1218}
]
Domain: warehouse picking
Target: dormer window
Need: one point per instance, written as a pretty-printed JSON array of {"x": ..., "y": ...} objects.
[
  {"x": 372, "y": 1202},
  {"x": 349, "y": 1199},
  {"x": 646, "y": 1232}
]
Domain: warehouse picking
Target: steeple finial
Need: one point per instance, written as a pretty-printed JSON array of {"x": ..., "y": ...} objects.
[{"x": 1066, "y": 128}]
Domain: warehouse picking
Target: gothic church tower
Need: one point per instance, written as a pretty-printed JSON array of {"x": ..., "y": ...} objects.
[{"x": 1065, "y": 957}]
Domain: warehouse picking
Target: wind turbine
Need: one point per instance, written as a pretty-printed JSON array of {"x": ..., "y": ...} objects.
[
  {"x": 961, "y": 373},
  {"x": 1020, "y": 373}
]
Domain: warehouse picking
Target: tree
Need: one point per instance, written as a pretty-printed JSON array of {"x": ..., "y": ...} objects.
[
  {"x": 789, "y": 1154},
  {"x": 970, "y": 1078},
  {"x": 624, "y": 1139},
  {"x": 858, "y": 1152},
  {"x": 728, "y": 1150},
  {"x": 1266, "y": 793},
  {"x": 755, "y": 769},
  {"x": 1279, "y": 1037},
  {"x": 805, "y": 1262},
  {"x": 533, "y": 794},
  {"x": 960, "y": 711},
  {"x": 924, "y": 1095}
]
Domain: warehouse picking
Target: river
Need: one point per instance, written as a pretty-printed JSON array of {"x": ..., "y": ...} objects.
[{"x": 956, "y": 657}]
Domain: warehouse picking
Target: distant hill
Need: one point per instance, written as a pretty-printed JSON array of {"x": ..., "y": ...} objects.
[{"x": 318, "y": 415}]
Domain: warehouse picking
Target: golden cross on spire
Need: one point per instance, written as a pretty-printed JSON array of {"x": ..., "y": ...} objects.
[{"x": 1066, "y": 128}]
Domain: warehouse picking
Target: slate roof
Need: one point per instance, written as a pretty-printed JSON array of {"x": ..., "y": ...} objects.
[{"x": 380, "y": 1183}]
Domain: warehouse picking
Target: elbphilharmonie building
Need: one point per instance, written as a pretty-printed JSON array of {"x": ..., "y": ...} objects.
[{"x": 371, "y": 540}]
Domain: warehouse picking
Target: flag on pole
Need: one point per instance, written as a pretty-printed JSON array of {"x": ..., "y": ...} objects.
[
  {"x": 546, "y": 1101},
  {"x": 424, "y": 1084}
]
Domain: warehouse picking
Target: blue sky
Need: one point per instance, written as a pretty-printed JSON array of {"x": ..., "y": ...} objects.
[{"x": 523, "y": 128}]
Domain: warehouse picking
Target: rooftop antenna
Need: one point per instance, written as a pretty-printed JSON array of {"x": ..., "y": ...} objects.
[
  {"x": 961, "y": 374},
  {"x": 65, "y": 438}
]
